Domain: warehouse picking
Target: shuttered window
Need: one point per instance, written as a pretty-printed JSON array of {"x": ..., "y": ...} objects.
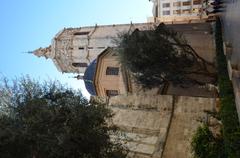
[
  {"x": 186, "y": 3},
  {"x": 176, "y": 4},
  {"x": 176, "y": 12},
  {"x": 166, "y": 12},
  {"x": 166, "y": 5},
  {"x": 197, "y": 2}
]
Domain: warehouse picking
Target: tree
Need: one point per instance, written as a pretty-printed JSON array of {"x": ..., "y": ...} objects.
[
  {"x": 49, "y": 121},
  {"x": 161, "y": 56},
  {"x": 205, "y": 144}
]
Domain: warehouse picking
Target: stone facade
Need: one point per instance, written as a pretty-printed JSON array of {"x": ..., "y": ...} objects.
[
  {"x": 187, "y": 116},
  {"x": 158, "y": 126},
  {"x": 73, "y": 49},
  {"x": 109, "y": 78},
  {"x": 151, "y": 125}
]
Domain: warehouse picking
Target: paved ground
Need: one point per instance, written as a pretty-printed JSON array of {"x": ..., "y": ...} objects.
[{"x": 231, "y": 20}]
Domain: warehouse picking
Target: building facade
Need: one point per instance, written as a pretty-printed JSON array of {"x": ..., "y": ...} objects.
[
  {"x": 73, "y": 49},
  {"x": 151, "y": 125},
  {"x": 105, "y": 77},
  {"x": 177, "y": 10},
  {"x": 85, "y": 50}
]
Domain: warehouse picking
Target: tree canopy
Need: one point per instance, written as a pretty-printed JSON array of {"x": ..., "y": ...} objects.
[
  {"x": 50, "y": 121},
  {"x": 162, "y": 55}
]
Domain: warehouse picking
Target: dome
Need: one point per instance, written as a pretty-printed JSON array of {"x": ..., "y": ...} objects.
[{"x": 89, "y": 77}]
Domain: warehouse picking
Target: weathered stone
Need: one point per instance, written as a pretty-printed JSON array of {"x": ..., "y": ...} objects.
[{"x": 158, "y": 133}]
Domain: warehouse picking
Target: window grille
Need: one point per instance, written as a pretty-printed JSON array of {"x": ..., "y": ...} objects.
[
  {"x": 79, "y": 64},
  {"x": 111, "y": 93},
  {"x": 81, "y": 33},
  {"x": 112, "y": 71}
]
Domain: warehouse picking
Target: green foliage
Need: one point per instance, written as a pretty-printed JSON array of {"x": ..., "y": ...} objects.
[
  {"x": 205, "y": 145},
  {"x": 160, "y": 56},
  {"x": 50, "y": 121},
  {"x": 228, "y": 113}
]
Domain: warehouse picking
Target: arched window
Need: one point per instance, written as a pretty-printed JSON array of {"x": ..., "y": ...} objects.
[{"x": 79, "y": 64}]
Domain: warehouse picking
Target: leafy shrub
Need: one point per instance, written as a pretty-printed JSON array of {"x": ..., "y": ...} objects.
[
  {"x": 205, "y": 145},
  {"x": 228, "y": 112}
]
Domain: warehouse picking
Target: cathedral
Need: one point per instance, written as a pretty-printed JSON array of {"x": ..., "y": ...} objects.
[
  {"x": 152, "y": 125},
  {"x": 79, "y": 50},
  {"x": 73, "y": 49}
]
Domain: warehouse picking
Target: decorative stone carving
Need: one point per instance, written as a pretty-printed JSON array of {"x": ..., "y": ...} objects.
[{"x": 46, "y": 52}]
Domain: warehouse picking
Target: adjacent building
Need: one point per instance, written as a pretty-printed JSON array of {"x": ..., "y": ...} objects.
[{"x": 177, "y": 10}]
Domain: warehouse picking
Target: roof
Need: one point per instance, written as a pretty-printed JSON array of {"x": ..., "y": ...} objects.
[
  {"x": 90, "y": 73},
  {"x": 89, "y": 77}
]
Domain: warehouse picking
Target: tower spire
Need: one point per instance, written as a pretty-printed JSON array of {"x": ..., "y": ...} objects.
[{"x": 46, "y": 52}]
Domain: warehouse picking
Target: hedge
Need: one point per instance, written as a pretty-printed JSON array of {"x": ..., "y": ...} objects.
[{"x": 228, "y": 112}]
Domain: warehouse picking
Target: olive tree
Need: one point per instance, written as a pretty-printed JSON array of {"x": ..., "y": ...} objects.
[{"x": 162, "y": 55}]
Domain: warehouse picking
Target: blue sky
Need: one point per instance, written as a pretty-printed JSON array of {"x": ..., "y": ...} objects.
[{"x": 29, "y": 24}]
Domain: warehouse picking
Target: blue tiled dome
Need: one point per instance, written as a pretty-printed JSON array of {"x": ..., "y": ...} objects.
[{"x": 89, "y": 77}]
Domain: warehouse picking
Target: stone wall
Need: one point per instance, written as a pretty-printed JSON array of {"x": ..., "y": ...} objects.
[
  {"x": 144, "y": 120},
  {"x": 187, "y": 116},
  {"x": 156, "y": 126}
]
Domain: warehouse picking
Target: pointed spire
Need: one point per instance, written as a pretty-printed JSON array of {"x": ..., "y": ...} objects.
[{"x": 46, "y": 52}]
